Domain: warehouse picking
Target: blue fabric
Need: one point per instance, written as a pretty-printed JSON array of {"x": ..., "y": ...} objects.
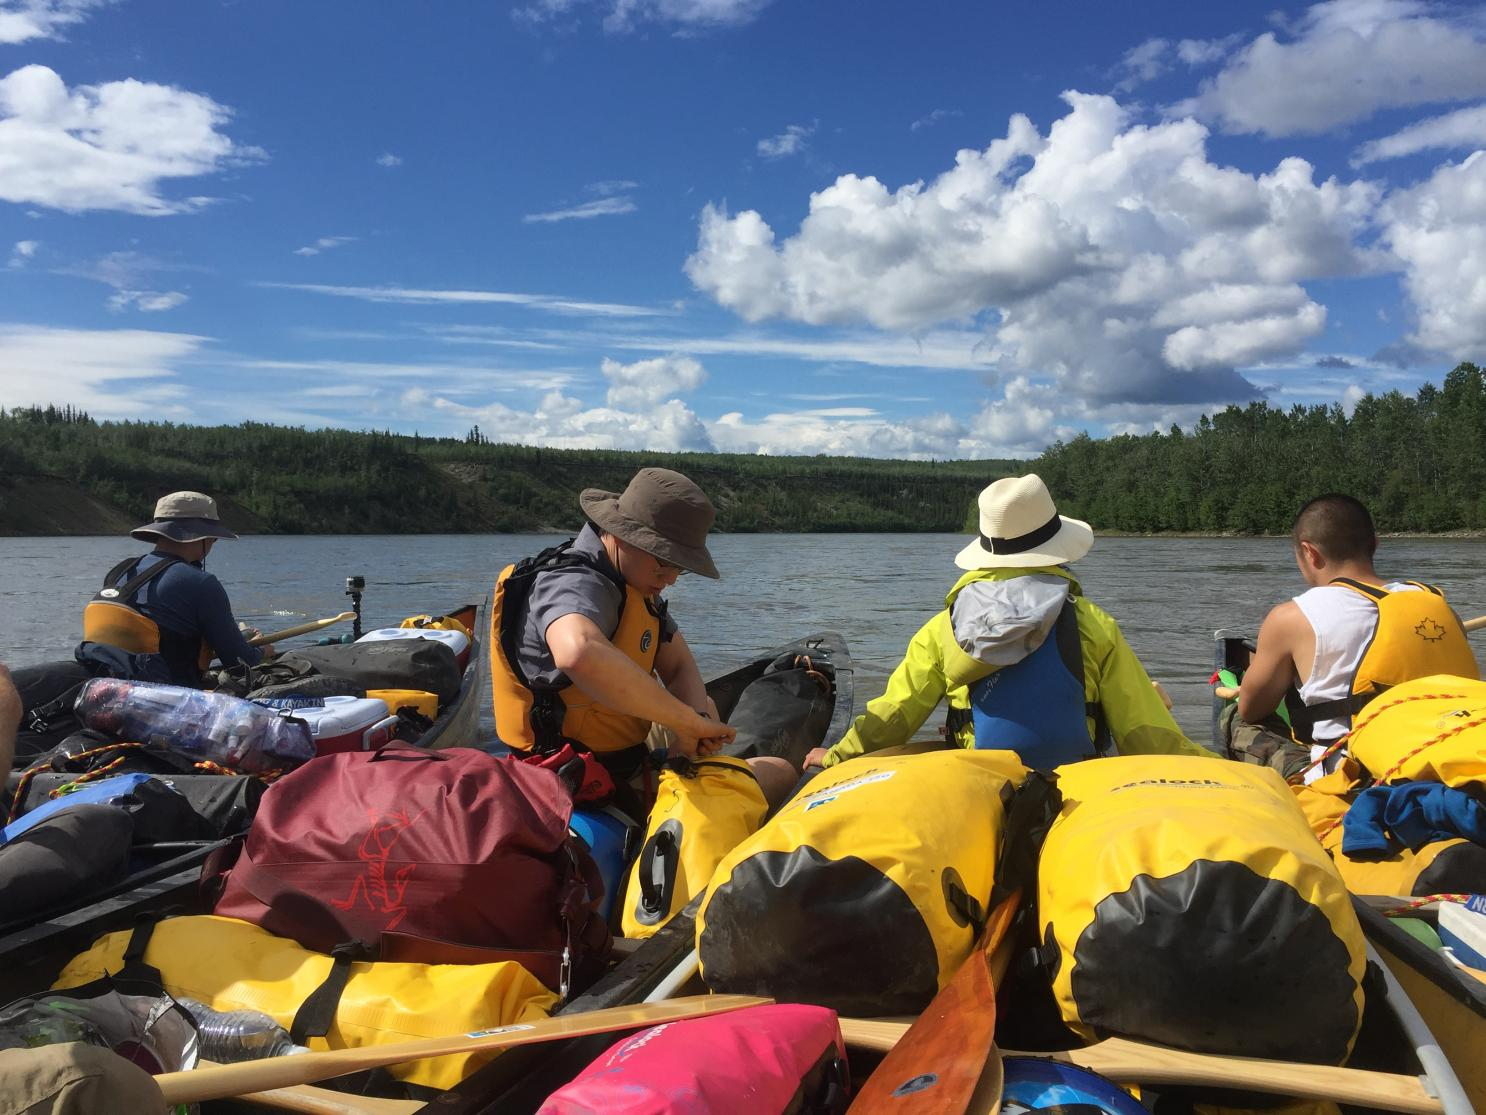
[
  {"x": 108, "y": 791},
  {"x": 1035, "y": 708},
  {"x": 189, "y": 601},
  {"x": 1413, "y": 814}
]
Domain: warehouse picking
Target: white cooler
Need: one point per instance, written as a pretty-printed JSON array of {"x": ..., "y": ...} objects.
[
  {"x": 342, "y": 723},
  {"x": 457, "y": 641}
]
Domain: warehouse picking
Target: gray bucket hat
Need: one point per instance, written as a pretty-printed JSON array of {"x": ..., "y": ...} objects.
[
  {"x": 183, "y": 517},
  {"x": 662, "y": 513}
]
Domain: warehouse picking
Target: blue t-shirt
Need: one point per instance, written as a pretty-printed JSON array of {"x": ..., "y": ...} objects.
[{"x": 190, "y": 602}]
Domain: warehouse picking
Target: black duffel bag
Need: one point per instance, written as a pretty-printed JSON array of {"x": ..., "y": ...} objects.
[
  {"x": 424, "y": 664},
  {"x": 785, "y": 712},
  {"x": 65, "y": 857},
  {"x": 47, "y": 692},
  {"x": 175, "y": 807}
]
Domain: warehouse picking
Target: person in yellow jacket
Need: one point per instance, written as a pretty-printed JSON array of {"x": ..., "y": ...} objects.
[{"x": 1028, "y": 663}]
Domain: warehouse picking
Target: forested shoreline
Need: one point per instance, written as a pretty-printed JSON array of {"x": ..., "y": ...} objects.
[{"x": 1419, "y": 461}]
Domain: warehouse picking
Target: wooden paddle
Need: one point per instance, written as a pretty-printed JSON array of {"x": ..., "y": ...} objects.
[
  {"x": 221, "y": 1081},
  {"x": 301, "y": 629},
  {"x": 1133, "y": 1061},
  {"x": 938, "y": 1063},
  {"x": 323, "y": 1101}
]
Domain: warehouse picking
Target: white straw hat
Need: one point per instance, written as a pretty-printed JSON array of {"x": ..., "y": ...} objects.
[{"x": 1020, "y": 526}]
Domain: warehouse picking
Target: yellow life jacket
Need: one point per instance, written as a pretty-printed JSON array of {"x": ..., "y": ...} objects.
[
  {"x": 703, "y": 810},
  {"x": 866, "y": 892},
  {"x": 234, "y": 965},
  {"x": 1185, "y": 901},
  {"x": 540, "y": 717},
  {"x": 1431, "y": 729},
  {"x": 112, "y": 619},
  {"x": 1417, "y": 634},
  {"x": 435, "y": 623}
]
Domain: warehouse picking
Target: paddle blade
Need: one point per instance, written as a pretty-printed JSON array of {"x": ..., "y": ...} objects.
[{"x": 222, "y": 1081}]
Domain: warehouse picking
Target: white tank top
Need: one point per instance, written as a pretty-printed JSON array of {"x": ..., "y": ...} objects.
[{"x": 1344, "y": 622}]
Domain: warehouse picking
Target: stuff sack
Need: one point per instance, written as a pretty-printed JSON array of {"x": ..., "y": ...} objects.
[
  {"x": 866, "y": 892},
  {"x": 157, "y": 810},
  {"x": 211, "y": 727},
  {"x": 1185, "y": 902},
  {"x": 47, "y": 693},
  {"x": 396, "y": 664},
  {"x": 1427, "y": 730},
  {"x": 785, "y": 711},
  {"x": 703, "y": 810},
  {"x": 65, "y": 857},
  {"x": 230, "y": 965},
  {"x": 773, "y": 1060},
  {"x": 219, "y": 804},
  {"x": 429, "y": 855}
]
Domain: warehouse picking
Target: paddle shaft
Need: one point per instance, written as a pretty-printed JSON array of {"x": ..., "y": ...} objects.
[
  {"x": 1135, "y": 1062},
  {"x": 937, "y": 1066},
  {"x": 221, "y": 1081},
  {"x": 301, "y": 629}
]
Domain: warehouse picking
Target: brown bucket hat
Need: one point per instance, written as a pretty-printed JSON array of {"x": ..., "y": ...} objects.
[
  {"x": 183, "y": 517},
  {"x": 662, "y": 513}
]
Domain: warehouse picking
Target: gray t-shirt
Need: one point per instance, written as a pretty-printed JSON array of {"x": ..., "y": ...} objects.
[{"x": 561, "y": 592}]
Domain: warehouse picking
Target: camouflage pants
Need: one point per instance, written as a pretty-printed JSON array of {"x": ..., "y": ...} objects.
[{"x": 1265, "y": 745}]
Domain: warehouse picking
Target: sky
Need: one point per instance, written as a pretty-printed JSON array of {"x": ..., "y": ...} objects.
[{"x": 958, "y": 230}]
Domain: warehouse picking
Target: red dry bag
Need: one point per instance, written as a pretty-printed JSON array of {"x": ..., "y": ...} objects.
[{"x": 427, "y": 856}]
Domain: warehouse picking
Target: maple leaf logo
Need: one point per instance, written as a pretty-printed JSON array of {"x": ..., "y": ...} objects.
[{"x": 1430, "y": 631}]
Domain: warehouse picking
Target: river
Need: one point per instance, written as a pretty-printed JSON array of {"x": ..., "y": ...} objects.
[{"x": 1169, "y": 594}]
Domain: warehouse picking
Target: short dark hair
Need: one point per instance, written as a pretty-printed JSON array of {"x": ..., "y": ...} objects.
[{"x": 1338, "y": 525}]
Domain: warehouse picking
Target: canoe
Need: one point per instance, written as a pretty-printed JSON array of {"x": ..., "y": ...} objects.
[
  {"x": 31, "y": 956},
  {"x": 457, "y": 725},
  {"x": 1451, "y": 1001}
]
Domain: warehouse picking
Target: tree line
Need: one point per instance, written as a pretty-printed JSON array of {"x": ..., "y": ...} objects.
[{"x": 1418, "y": 461}]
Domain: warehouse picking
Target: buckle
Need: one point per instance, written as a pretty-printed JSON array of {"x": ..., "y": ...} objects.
[{"x": 565, "y": 973}]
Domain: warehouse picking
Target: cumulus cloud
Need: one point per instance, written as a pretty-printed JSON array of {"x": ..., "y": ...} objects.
[
  {"x": 1344, "y": 61},
  {"x": 599, "y": 207},
  {"x": 646, "y": 383},
  {"x": 791, "y": 141},
  {"x": 22, "y": 253},
  {"x": 388, "y": 159},
  {"x": 111, "y": 373},
  {"x": 324, "y": 244},
  {"x": 1438, "y": 230},
  {"x": 1113, "y": 257},
  {"x": 24, "y": 20},
  {"x": 1463, "y": 129},
  {"x": 686, "y": 16},
  {"x": 110, "y": 146},
  {"x": 1144, "y": 62}
]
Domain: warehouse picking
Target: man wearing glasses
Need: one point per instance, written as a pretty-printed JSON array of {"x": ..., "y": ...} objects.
[{"x": 583, "y": 648}]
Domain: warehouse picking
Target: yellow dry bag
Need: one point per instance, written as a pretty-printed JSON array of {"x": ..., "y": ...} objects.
[
  {"x": 1186, "y": 902},
  {"x": 1427, "y": 730},
  {"x": 703, "y": 810},
  {"x": 230, "y": 965},
  {"x": 865, "y": 892}
]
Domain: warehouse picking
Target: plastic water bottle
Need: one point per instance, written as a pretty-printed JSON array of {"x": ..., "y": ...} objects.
[
  {"x": 228, "y": 1036},
  {"x": 202, "y": 725}
]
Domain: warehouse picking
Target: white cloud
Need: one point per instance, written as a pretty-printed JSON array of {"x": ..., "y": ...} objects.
[
  {"x": 1082, "y": 253},
  {"x": 128, "y": 273},
  {"x": 611, "y": 186},
  {"x": 1204, "y": 52},
  {"x": 109, "y": 146},
  {"x": 111, "y": 373},
  {"x": 1346, "y": 60},
  {"x": 1144, "y": 62},
  {"x": 563, "y": 422},
  {"x": 421, "y": 297},
  {"x": 687, "y": 16},
  {"x": 388, "y": 159},
  {"x": 791, "y": 141},
  {"x": 324, "y": 244},
  {"x": 600, "y": 207},
  {"x": 646, "y": 383},
  {"x": 937, "y": 116},
  {"x": 22, "y": 253},
  {"x": 24, "y": 20},
  {"x": 148, "y": 301},
  {"x": 1438, "y": 230},
  {"x": 1463, "y": 129}
]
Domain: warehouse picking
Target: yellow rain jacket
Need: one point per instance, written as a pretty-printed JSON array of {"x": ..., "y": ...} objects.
[{"x": 936, "y": 667}]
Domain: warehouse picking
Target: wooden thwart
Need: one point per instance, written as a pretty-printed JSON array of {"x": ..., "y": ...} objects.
[
  {"x": 221, "y": 1081},
  {"x": 1136, "y": 1062}
]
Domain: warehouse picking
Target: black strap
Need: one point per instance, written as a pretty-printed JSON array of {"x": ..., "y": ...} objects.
[
  {"x": 135, "y": 967},
  {"x": 1021, "y": 543},
  {"x": 1367, "y": 590},
  {"x": 1071, "y": 650},
  {"x": 127, "y": 593},
  {"x": 316, "y": 1015},
  {"x": 1308, "y": 716},
  {"x": 1031, "y": 813}
]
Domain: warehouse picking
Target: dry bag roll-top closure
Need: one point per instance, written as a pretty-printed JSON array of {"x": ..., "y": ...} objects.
[{"x": 451, "y": 856}]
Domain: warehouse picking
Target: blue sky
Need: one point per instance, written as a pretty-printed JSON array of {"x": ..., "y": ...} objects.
[{"x": 780, "y": 226}]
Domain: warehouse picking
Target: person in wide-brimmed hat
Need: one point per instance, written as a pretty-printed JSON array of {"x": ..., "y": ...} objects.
[
  {"x": 588, "y": 652},
  {"x": 1027, "y": 662},
  {"x": 165, "y": 603}
]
